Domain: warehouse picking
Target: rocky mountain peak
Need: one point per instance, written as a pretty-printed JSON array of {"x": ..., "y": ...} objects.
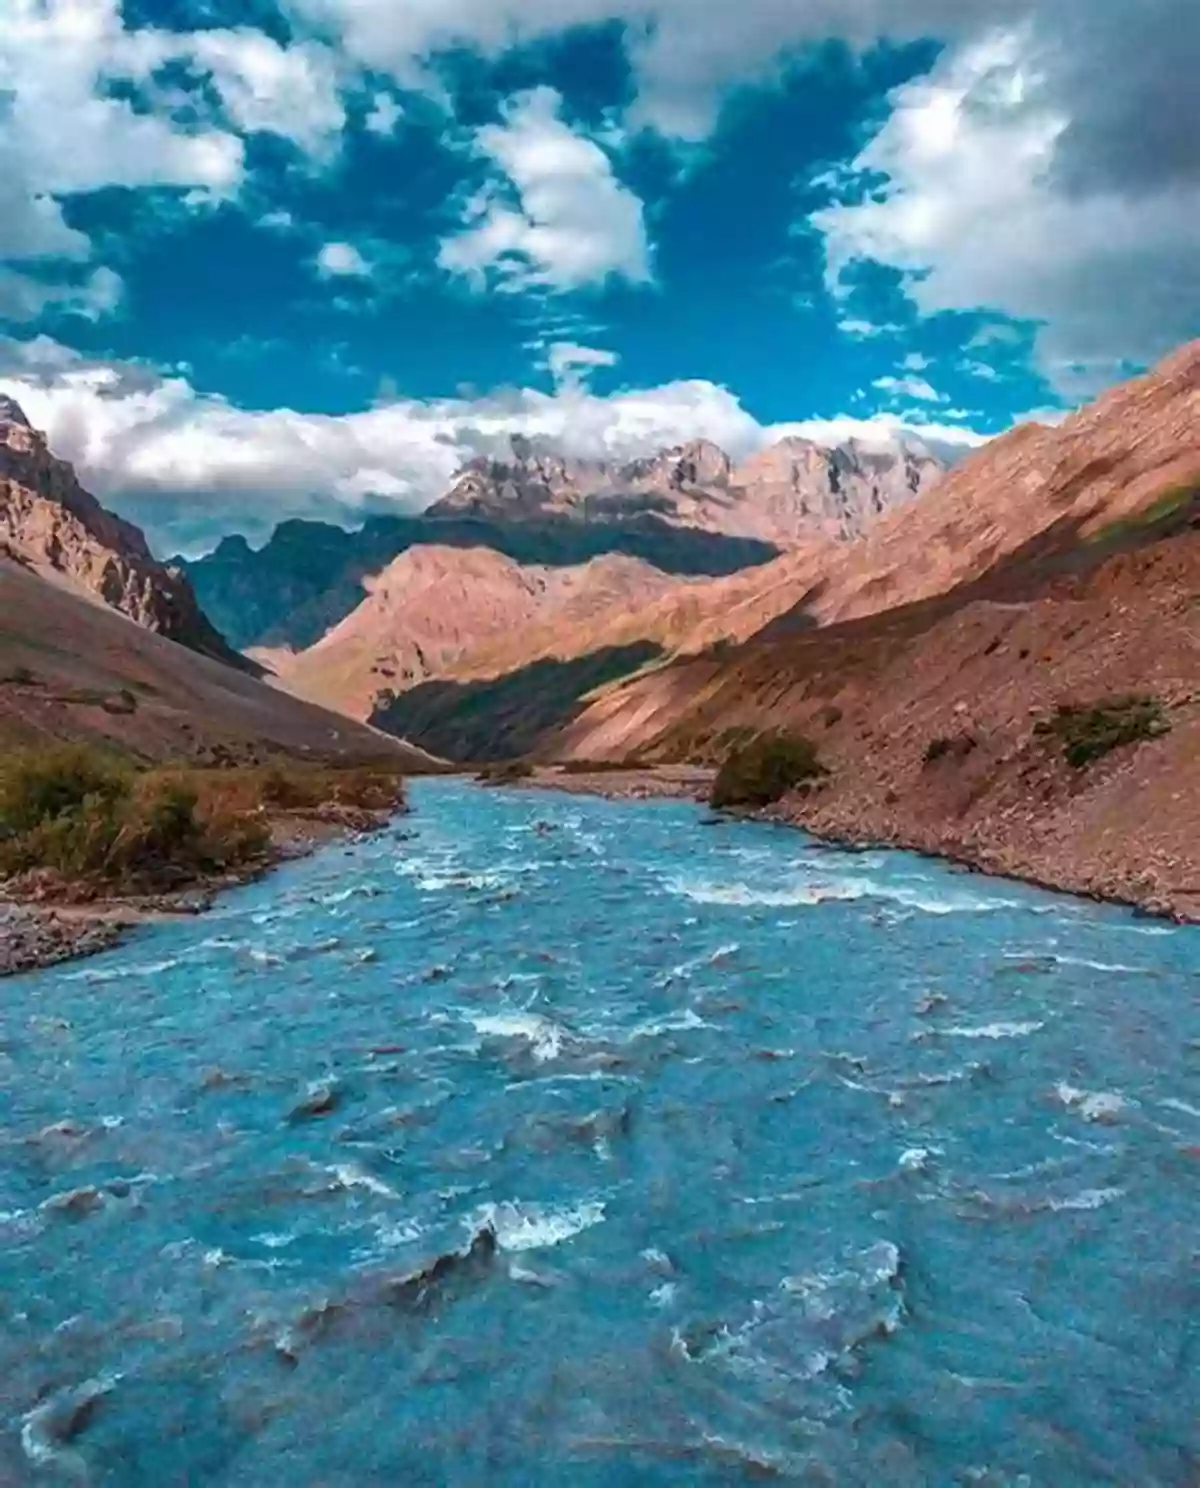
[
  {"x": 786, "y": 494},
  {"x": 11, "y": 412},
  {"x": 51, "y": 525}
]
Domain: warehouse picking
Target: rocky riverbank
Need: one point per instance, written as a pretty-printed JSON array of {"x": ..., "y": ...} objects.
[
  {"x": 1026, "y": 845},
  {"x": 43, "y": 923},
  {"x": 658, "y": 782}
]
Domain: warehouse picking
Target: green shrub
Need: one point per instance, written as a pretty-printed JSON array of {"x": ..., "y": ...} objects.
[
  {"x": 1088, "y": 733},
  {"x": 40, "y": 785},
  {"x": 71, "y": 812},
  {"x": 764, "y": 770}
]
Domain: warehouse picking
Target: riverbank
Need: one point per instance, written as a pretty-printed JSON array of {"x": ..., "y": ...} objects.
[
  {"x": 1020, "y": 846},
  {"x": 44, "y": 923},
  {"x": 649, "y": 783}
]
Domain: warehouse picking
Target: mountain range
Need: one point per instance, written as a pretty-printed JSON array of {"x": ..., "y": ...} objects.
[
  {"x": 934, "y": 631},
  {"x": 686, "y": 511}
]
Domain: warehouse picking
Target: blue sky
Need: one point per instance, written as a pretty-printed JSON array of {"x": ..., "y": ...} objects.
[{"x": 259, "y": 260}]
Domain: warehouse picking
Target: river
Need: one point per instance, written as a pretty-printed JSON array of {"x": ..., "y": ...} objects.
[{"x": 547, "y": 1140}]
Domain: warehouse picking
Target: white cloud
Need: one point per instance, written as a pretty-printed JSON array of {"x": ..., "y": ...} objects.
[
  {"x": 686, "y": 55},
  {"x": 266, "y": 88},
  {"x": 569, "y": 364},
  {"x": 384, "y": 115},
  {"x": 341, "y": 260},
  {"x": 25, "y": 298},
  {"x": 190, "y": 466},
  {"x": 915, "y": 362},
  {"x": 865, "y": 330},
  {"x": 280, "y": 221},
  {"x": 559, "y": 219},
  {"x": 951, "y": 441},
  {"x": 966, "y": 192},
  {"x": 909, "y": 387}
]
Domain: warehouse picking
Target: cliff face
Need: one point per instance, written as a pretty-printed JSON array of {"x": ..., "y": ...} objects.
[
  {"x": 787, "y": 495},
  {"x": 51, "y": 525}
]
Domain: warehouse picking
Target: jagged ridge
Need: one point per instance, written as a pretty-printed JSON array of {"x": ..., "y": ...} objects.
[{"x": 50, "y": 524}]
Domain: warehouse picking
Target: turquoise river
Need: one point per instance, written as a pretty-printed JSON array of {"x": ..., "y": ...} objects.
[{"x": 548, "y": 1140}]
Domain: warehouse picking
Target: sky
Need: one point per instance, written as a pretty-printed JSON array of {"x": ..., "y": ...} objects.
[{"x": 270, "y": 258}]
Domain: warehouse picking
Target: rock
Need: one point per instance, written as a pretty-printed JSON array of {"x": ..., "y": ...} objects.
[
  {"x": 49, "y": 522},
  {"x": 320, "y": 1099}
]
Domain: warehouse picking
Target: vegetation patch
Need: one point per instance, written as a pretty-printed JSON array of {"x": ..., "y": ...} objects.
[
  {"x": 505, "y": 772},
  {"x": 1174, "y": 505},
  {"x": 1087, "y": 733},
  {"x": 765, "y": 769},
  {"x": 93, "y": 822}
]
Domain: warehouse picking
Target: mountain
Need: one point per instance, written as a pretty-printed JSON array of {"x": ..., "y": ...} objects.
[
  {"x": 1042, "y": 599},
  {"x": 438, "y": 611},
  {"x": 55, "y": 528},
  {"x": 1034, "y": 504},
  {"x": 77, "y": 671},
  {"x": 785, "y": 495},
  {"x": 310, "y": 575},
  {"x": 685, "y": 511}
]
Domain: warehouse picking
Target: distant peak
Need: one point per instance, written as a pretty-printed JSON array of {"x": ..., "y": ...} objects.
[{"x": 11, "y": 412}]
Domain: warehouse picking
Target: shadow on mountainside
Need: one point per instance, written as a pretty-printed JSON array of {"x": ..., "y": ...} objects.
[
  {"x": 505, "y": 717},
  {"x": 310, "y": 575}
]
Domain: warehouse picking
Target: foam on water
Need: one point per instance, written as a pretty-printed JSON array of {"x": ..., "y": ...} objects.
[
  {"x": 999, "y": 1030},
  {"x": 552, "y": 1140},
  {"x": 813, "y": 892},
  {"x": 520, "y": 1227},
  {"x": 544, "y": 1037}
]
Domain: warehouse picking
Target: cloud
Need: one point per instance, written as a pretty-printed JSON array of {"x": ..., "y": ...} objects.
[
  {"x": 909, "y": 387},
  {"x": 949, "y": 441},
  {"x": 341, "y": 260},
  {"x": 686, "y": 55},
  {"x": 190, "y": 466},
  {"x": 995, "y": 183},
  {"x": 292, "y": 92},
  {"x": 384, "y": 115},
  {"x": 570, "y": 365},
  {"x": 557, "y": 218},
  {"x": 26, "y": 298}
]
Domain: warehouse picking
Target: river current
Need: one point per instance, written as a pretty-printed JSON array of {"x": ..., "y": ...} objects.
[{"x": 547, "y": 1140}]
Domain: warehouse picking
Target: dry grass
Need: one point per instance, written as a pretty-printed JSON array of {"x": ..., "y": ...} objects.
[{"x": 92, "y": 822}]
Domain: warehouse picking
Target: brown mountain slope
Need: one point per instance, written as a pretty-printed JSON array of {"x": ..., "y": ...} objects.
[
  {"x": 50, "y": 524},
  {"x": 461, "y": 612},
  {"x": 1134, "y": 450},
  {"x": 74, "y": 670},
  {"x": 790, "y": 493},
  {"x": 928, "y": 718}
]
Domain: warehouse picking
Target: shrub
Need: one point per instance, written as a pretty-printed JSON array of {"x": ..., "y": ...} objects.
[
  {"x": 505, "y": 772},
  {"x": 41, "y": 785},
  {"x": 1090, "y": 732},
  {"x": 764, "y": 770},
  {"x": 76, "y": 814}
]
